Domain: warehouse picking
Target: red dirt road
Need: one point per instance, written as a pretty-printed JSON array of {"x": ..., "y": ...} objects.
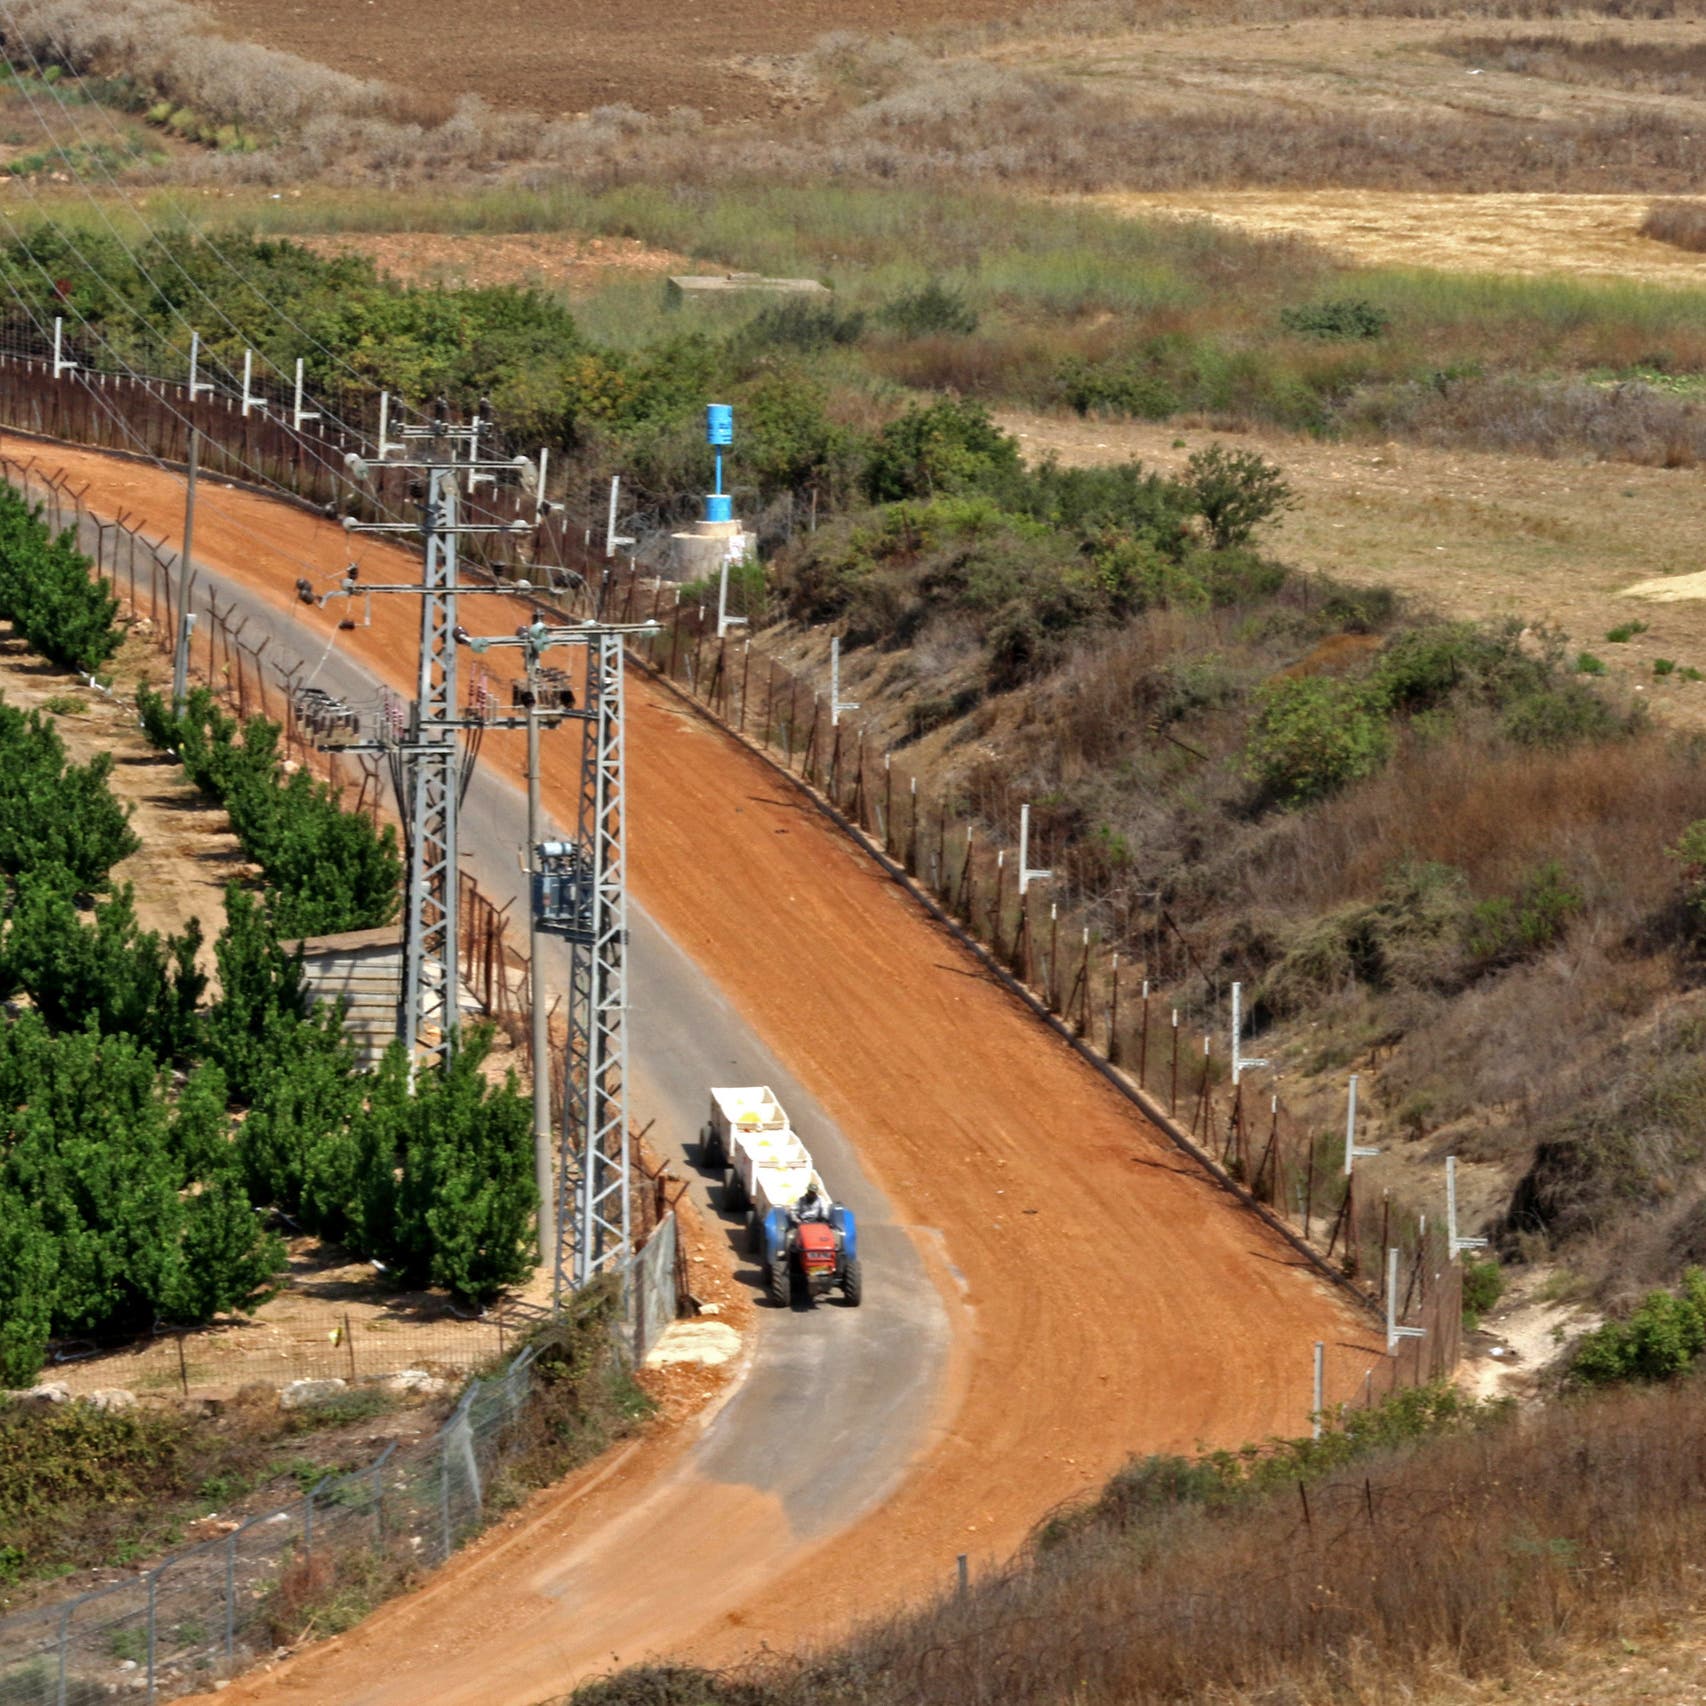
[{"x": 1110, "y": 1300}]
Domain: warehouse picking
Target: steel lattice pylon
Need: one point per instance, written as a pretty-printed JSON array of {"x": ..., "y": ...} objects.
[
  {"x": 432, "y": 775},
  {"x": 594, "y": 1153}
]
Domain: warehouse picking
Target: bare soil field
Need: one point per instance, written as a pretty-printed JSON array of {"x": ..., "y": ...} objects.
[
  {"x": 1585, "y": 547},
  {"x": 1109, "y": 1298},
  {"x": 1511, "y": 232},
  {"x": 559, "y": 60}
]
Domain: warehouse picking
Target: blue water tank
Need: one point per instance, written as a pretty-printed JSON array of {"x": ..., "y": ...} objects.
[
  {"x": 719, "y": 423},
  {"x": 719, "y": 506}
]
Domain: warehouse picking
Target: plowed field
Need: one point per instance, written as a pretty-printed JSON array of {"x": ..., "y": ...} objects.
[{"x": 1107, "y": 1298}]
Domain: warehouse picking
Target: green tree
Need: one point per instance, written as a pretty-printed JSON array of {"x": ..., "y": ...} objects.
[
  {"x": 251, "y": 1029},
  {"x": 29, "y": 1268},
  {"x": 53, "y": 812},
  {"x": 1235, "y": 491},
  {"x": 111, "y": 975}
]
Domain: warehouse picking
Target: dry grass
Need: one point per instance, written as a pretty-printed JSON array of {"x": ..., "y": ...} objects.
[
  {"x": 1679, "y": 223},
  {"x": 1474, "y": 1557},
  {"x": 882, "y": 110},
  {"x": 1493, "y": 811},
  {"x": 1664, "y": 68}
]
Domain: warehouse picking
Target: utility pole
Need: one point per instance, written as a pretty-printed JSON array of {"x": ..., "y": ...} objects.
[
  {"x": 581, "y": 895},
  {"x": 186, "y": 575},
  {"x": 579, "y": 890},
  {"x": 540, "y": 1002}
]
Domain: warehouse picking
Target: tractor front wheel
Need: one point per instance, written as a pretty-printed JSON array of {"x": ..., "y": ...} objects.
[
  {"x": 781, "y": 1281},
  {"x": 851, "y": 1286}
]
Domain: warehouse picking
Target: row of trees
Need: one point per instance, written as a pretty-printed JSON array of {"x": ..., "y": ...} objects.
[
  {"x": 326, "y": 869},
  {"x": 147, "y": 1135},
  {"x": 47, "y": 593}
]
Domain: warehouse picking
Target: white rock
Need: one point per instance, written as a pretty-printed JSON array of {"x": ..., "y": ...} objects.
[
  {"x": 111, "y": 1398},
  {"x": 305, "y": 1394},
  {"x": 706, "y": 1343},
  {"x": 50, "y": 1393},
  {"x": 415, "y": 1383}
]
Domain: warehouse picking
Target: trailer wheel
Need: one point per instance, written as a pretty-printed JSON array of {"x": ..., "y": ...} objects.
[
  {"x": 710, "y": 1150},
  {"x": 781, "y": 1281},
  {"x": 754, "y": 1234},
  {"x": 851, "y": 1287},
  {"x": 734, "y": 1192}
]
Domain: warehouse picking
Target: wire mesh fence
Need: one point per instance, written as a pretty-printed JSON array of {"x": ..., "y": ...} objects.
[{"x": 206, "y": 1613}]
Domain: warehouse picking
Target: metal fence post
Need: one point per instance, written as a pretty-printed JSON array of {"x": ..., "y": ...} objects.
[
  {"x": 64, "y": 1648},
  {"x": 308, "y": 1528},
  {"x": 230, "y": 1596},
  {"x": 444, "y": 1491},
  {"x": 379, "y": 1501},
  {"x": 152, "y": 1592}
]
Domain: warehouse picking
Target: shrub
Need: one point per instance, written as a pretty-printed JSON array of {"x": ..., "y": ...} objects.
[
  {"x": 1483, "y": 1286},
  {"x": 1690, "y": 852},
  {"x": 1313, "y": 735},
  {"x": 799, "y": 324},
  {"x": 1341, "y": 317},
  {"x": 1661, "y": 1338},
  {"x": 1502, "y": 931},
  {"x": 1558, "y": 715},
  {"x": 1624, "y": 632},
  {"x": 1235, "y": 492},
  {"x": 930, "y": 311},
  {"x": 1120, "y": 388},
  {"x": 944, "y": 447},
  {"x": 1588, "y": 664}
]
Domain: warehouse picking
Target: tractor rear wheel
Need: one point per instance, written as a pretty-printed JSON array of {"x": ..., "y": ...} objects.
[
  {"x": 781, "y": 1280},
  {"x": 851, "y": 1282}
]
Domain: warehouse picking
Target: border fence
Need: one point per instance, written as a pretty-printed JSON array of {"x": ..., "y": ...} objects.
[{"x": 1117, "y": 974}]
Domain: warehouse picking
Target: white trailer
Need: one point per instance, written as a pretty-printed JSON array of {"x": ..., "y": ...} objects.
[
  {"x": 765, "y": 1164},
  {"x": 746, "y": 1108}
]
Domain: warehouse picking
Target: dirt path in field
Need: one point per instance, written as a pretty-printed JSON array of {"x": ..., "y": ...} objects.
[
  {"x": 532, "y": 260},
  {"x": 188, "y": 853},
  {"x": 1585, "y": 547},
  {"x": 1108, "y": 1298}
]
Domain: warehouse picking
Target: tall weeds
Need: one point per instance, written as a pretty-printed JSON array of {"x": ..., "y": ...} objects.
[{"x": 1478, "y": 1556}]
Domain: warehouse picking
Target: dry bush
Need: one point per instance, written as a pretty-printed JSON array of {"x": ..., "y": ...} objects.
[
  {"x": 1626, "y": 422},
  {"x": 164, "y": 44},
  {"x": 1474, "y": 1556},
  {"x": 1679, "y": 223},
  {"x": 1606, "y": 811},
  {"x": 1667, "y": 68}
]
